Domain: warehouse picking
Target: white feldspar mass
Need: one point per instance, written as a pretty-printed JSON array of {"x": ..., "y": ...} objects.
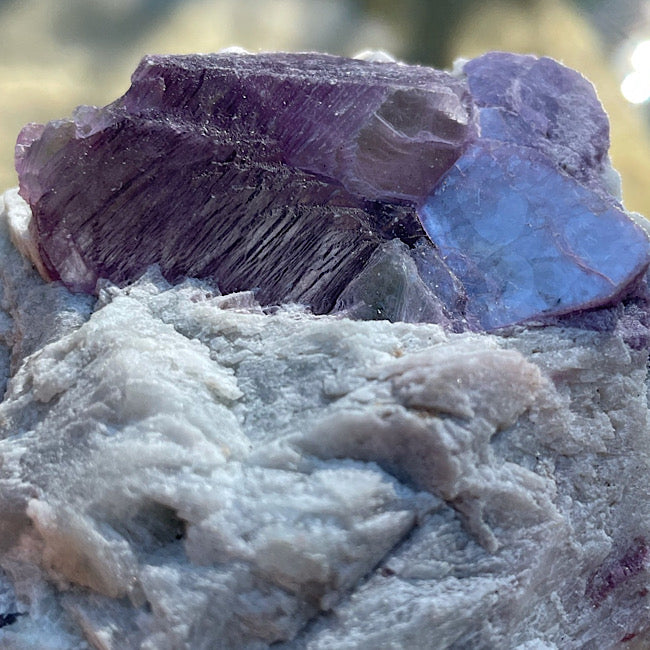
[{"x": 180, "y": 469}]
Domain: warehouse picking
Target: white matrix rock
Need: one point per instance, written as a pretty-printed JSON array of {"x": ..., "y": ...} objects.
[{"x": 179, "y": 470}]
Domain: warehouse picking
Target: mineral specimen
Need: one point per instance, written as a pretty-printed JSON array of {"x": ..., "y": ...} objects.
[
  {"x": 183, "y": 470},
  {"x": 486, "y": 197},
  {"x": 530, "y": 255},
  {"x": 258, "y": 171}
]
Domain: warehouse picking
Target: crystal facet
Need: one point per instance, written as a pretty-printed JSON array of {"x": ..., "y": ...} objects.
[
  {"x": 531, "y": 254},
  {"x": 541, "y": 104},
  {"x": 478, "y": 200}
]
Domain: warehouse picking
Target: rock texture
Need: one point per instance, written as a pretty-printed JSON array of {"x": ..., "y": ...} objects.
[
  {"x": 487, "y": 193},
  {"x": 183, "y": 470},
  {"x": 272, "y": 171}
]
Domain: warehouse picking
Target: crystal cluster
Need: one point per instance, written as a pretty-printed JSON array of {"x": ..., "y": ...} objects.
[{"x": 478, "y": 199}]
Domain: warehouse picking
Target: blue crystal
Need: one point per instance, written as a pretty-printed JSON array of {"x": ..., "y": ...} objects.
[{"x": 526, "y": 241}]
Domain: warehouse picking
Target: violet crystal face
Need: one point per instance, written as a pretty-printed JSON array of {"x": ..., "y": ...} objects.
[{"x": 479, "y": 200}]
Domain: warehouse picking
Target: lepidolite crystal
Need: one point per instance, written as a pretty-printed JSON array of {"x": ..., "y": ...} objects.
[{"x": 479, "y": 200}]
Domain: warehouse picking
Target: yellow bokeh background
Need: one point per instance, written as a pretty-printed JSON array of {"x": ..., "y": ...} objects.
[{"x": 44, "y": 75}]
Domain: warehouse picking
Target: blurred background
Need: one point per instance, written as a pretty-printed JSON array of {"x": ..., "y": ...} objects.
[{"x": 56, "y": 54}]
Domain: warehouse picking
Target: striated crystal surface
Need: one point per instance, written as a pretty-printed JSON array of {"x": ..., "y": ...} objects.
[
  {"x": 261, "y": 172},
  {"x": 477, "y": 200}
]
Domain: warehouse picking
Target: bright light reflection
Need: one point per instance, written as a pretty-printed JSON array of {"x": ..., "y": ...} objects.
[
  {"x": 640, "y": 58},
  {"x": 636, "y": 85}
]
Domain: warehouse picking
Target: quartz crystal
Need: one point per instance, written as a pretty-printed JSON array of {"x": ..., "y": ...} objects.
[{"x": 486, "y": 196}]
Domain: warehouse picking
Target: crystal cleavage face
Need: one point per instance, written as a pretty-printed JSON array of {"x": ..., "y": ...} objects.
[{"x": 478, "y": 200}]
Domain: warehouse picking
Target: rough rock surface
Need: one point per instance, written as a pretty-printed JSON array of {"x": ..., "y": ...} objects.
[{"x": 182, "y": 470}]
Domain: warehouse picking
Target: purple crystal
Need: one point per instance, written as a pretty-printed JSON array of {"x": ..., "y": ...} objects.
[
  {"x": 542, "y": 104},
  {"x": 383, "y": 131},
  {"x": 530, "y": 255},
  {"x": 256, "y": 171},
  {"x": 615, "y": 571},
  {"x": 342, "y": 184}
]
